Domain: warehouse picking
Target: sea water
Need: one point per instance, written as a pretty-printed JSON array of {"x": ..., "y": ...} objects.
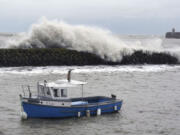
[{"x": 150, "y": 93}]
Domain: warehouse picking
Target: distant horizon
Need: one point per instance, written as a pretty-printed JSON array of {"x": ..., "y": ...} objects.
[
  {"x": 115, "y": 33},
  {"x": 115, "y": 29},
  {"x": 9, "y": 33},
  {"x": 120, "y": 34}
]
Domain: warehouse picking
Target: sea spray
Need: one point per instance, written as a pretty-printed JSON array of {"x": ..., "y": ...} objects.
[{"x": 58, "y": 34}]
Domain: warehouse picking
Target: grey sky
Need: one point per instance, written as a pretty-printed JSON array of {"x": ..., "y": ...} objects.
[{"x": 120, "y": 16}]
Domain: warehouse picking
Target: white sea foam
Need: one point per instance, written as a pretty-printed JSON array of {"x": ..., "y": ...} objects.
[{"x": 85, "y": 69}]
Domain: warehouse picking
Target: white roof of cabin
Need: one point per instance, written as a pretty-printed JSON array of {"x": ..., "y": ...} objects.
[{"x": 64, "y": 83}]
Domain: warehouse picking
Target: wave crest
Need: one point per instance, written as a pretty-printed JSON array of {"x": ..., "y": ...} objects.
[{"x": 57, "y": 34}]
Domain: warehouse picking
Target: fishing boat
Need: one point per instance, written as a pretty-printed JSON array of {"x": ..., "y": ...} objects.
[{"x": 52, "y": 101}]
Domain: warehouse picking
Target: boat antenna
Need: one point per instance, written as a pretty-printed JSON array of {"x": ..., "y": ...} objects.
[
  {"x": 69, "y": 75},
  {"x": 45, "y": 82}
]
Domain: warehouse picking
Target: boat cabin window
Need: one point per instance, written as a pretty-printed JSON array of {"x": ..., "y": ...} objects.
[
  {"x": 59, "y": 92},
  {"x": 55, "y": 91},
  {"x": 44, "y": 91},
  {"x": 48, "y": 92},
  {"x": 41, "y": 92},
  {"x": 63, "y": 92}
]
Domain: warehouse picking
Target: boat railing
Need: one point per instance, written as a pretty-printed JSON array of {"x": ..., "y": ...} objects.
[{"x": 27, "y": 90}]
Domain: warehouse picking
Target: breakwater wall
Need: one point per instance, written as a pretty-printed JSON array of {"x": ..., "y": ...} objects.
[{"x": 61, "y": 57}]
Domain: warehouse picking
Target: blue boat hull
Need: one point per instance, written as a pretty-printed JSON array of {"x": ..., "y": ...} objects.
[{"x": 44, "y": 111}]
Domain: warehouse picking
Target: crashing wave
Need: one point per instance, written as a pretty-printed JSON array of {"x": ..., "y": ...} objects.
[{"x": 58, "y": 34}]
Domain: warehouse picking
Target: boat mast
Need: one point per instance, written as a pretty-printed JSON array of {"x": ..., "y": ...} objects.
[
  {"x": 82, "y": 91},
  {"x": 69, "y": 80},
  {"x": 69, "y": 75},
  {"x": 38, "y": 88}
]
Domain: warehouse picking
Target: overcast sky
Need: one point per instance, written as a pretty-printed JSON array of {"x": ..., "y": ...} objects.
[{"x": 119, "y": 16}]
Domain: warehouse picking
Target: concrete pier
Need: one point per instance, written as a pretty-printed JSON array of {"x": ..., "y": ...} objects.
[{"x": 173, "y": 34}]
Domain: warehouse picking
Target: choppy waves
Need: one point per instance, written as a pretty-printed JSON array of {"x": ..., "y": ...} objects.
[{"x": 85, "y": 69}]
